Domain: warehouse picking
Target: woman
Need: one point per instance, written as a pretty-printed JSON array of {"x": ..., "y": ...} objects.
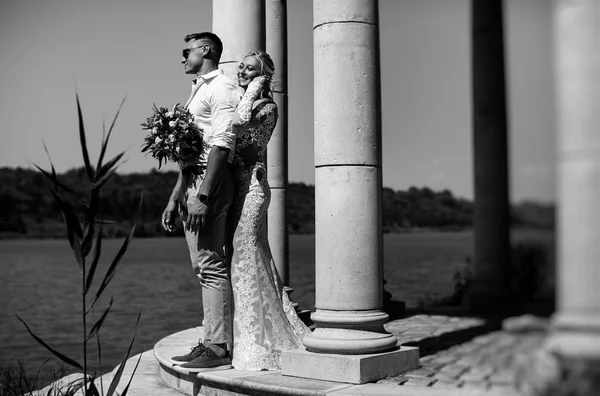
[{"x": 265, "y": 323}]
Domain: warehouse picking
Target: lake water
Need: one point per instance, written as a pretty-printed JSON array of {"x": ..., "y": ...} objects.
[{"x": 40, "y": 281}]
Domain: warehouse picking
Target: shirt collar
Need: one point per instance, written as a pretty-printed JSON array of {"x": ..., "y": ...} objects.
[{"x": 204, "y": 78}]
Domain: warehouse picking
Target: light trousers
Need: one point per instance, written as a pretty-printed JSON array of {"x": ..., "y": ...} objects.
[{"x": 209, "y": 261}]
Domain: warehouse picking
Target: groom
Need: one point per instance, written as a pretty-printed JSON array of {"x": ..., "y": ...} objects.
[{"x": 203, "y": 194}]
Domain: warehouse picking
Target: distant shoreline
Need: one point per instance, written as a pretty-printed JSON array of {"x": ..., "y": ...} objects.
[
  {"x": 29, "y": 211},
  {"x": 417, "y": 230}
]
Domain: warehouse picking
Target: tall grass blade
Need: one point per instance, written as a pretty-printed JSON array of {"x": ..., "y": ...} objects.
[
  {"x": 55, "y": 181},
  {"x": 69, "y": 214},
  {"x": 105, "y": 140},
  {"x": 104, "y": 179},
  {"x": 90, "y": 222},
  {"x": 92, "y": 390},
  {"x": 126, "y": 389},
  {"x": 99, "y": 348},
  {"x": 59, "y": 355},
  {"x": 104, "y": 169},
  {"x": 39, "y": 371},
  {"x": 103, "y": 145},
  {"x": 78, "y": 256},
  {"x": 102, "y": 142},
  {"x": 24, "y": 380},
  {"x": 54, "y": 176},
  {"x": 112, "y": 270},
  {"x": 71, "y": 388},
  {"x": 73, "y": 228},
  {"x": 95, "y": 260},
  {"x": 84, "y": 150},
  {"x": 119, "y": 373},
  {"x": 96, "y": 328}
]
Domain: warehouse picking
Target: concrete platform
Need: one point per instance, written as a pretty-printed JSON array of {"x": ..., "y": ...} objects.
[
  {"x": 228, "y": 382},
  {"x": 235, "y": 382},
  {"x": 466, "y": 359}
]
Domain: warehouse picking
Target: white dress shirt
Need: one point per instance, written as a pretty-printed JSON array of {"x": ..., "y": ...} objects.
[{"x": 212, "y": 102}]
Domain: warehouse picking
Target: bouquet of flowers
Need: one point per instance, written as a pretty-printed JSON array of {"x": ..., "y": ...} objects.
[{"x": 173, "y": 135}]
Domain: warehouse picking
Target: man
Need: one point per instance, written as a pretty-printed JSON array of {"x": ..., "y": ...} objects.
[{"x": 203, "y": 193}]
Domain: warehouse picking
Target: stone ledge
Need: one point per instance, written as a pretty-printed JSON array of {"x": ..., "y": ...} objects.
[
  {"x": 228, "y": 382},
  {"x": 152, "y": 376},
  {"x": 237, "y": 382}
]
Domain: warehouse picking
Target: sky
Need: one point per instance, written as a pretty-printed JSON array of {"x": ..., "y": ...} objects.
[{"x": 106, "y": 50}]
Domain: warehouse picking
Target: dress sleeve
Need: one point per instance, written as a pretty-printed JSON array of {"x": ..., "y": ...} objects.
[{"x": 244, "y": 108}]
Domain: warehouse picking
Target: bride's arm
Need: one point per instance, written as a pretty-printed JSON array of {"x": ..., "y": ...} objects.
[{"x": 243, "y": 113}]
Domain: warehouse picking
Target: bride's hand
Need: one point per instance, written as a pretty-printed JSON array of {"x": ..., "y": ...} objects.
[
  {"x": 244, "y": 109},
  {"x": 257, "y": 84}
]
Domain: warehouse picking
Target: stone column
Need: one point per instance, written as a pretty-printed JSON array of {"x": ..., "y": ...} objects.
[
  {"x": 490, "y": 151},
  {"x": 576, "y": 335},
  {"x": 277, "y": 151},
  {"x": 349, "y": 242},
  {"x": 241, "y": 26}
]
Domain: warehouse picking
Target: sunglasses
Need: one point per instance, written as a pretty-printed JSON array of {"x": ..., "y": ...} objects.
[{"x": 186, "y": 51}]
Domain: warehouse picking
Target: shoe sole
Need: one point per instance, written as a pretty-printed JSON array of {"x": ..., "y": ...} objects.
[
  {"x": 178, "y": 362},
  {"x": 201, "y": 369}
]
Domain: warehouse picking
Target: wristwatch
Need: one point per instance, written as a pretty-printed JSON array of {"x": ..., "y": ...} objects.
[{"x": 205, "y": 199}]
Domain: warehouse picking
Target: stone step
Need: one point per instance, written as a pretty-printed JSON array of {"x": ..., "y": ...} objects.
[
  {"x": 228, "y": 382},
  {"x": 148, "y": 382},
  {"x": 156, "y": 376},
  {"x": 265, "y": 383}
]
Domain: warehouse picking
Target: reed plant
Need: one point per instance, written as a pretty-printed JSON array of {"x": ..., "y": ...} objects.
[{"x": 82, "y": 216}]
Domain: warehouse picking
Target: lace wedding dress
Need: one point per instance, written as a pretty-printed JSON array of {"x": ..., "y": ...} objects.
[{"x": 264, "y": 323}]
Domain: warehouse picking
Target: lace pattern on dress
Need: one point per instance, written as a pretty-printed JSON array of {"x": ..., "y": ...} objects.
[{"x": 265, "y": 322}]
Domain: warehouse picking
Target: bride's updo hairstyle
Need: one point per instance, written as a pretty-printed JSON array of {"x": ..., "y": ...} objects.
[{"x": 267, "y": 68}]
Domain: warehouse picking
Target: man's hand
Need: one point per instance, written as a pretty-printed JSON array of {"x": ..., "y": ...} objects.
[
  {"x": 168, "y": 216},
  {"x": 197, "y": 212}
]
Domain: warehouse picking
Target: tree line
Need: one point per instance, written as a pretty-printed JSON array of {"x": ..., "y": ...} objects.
[{"x": 28, "y": 209}]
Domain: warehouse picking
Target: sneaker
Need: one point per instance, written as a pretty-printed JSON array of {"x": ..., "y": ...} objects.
[
  {"x": 193, "y": 354},
  {"x": 208, "y": 361}
]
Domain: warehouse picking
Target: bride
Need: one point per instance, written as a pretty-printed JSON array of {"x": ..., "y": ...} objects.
[{"x": 264, "y": 323}]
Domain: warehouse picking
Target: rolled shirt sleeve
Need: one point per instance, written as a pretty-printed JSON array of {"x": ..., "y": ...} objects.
[{"x": 222, "y": 106}]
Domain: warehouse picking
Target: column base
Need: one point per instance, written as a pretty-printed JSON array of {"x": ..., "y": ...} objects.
[
  {"x": 353, "y": 369},
  {"x": 575, "y": 335},
  {"x": 348, "y": 342},
  {"x": 349, "y": 332},
  {"x": 549, "y": 373},
  {"x": 569, "y": 362}
]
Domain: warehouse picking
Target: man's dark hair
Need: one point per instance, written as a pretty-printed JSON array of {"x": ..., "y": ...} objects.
[{"x": 215, "y": 43}]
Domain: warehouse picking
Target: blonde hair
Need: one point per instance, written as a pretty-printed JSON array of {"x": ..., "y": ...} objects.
[{"x": 267, "y": 69}]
